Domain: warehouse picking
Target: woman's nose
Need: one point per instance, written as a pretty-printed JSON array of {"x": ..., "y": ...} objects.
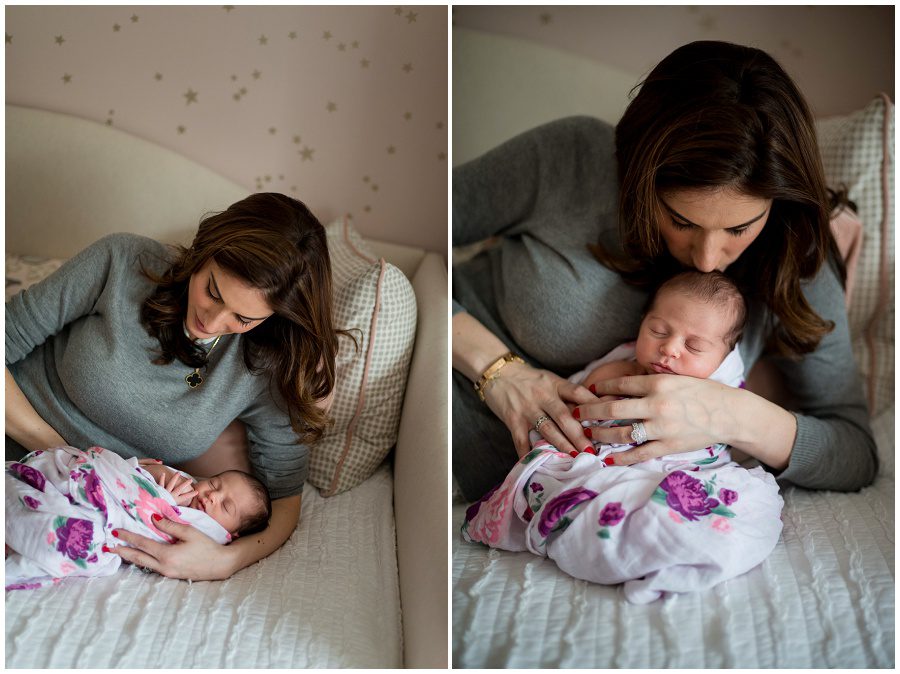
[
  {"x": 215, "y": 320},
  {"x": 705, "y": 253}
]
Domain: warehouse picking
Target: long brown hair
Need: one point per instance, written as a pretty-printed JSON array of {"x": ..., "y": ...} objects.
[
  {"x": 273, "y": 243},
  {"x": 712, "y": 115}
]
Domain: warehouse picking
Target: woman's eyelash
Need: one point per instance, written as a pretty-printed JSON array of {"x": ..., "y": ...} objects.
[
  {"x": 737, "y": 231},
  {"x": 219, "y": 299},
  {"x": 680, "y": 225}
]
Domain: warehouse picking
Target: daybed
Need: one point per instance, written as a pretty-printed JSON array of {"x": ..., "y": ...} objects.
[
  {"x": 361, "y": 582},
  {"x": 825, "y": 597}
]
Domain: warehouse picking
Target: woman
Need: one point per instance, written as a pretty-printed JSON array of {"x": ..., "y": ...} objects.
[
  {"x": 717, "y": 168},
  {"x": 151, "y": 353}
]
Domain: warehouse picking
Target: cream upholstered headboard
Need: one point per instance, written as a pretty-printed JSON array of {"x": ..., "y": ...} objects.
[{"x": 70, "y": 181}]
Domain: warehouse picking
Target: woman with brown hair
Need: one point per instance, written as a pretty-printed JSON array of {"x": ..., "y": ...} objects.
[
  {"x": 716, "y": 168},
  {"x": 153, "y": 353}
]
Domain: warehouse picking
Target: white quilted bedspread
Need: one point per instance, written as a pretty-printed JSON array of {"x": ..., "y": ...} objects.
[
  {"x": 328, "y": 598},
  {"x": 824, "y": 598}
]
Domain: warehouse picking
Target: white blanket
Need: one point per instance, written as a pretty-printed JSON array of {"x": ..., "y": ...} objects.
[{"x": 63, "y": 504}]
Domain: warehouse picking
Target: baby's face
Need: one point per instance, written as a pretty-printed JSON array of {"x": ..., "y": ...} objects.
[
  {"x": 682, "y": 335},
  {"x": 226, "y": 498}
]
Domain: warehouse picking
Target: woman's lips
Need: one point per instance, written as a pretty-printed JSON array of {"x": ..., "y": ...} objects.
[
  {"x": 199, "y": 326},
  {"x": 661, "y": 369}
]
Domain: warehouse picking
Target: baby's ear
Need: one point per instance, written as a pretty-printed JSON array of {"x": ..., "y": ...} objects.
[{"x": 235, "y": 535}]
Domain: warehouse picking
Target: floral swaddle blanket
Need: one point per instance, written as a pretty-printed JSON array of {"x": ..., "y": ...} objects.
[
  {"x": 681, "y": 524},
  {"x": 63, "y": 504}
]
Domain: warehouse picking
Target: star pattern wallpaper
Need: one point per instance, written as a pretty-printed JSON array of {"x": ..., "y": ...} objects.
[{"x": 344, "y": 108}]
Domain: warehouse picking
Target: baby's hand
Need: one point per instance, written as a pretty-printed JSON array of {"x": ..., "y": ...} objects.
[{"x": 180, "y": 487}]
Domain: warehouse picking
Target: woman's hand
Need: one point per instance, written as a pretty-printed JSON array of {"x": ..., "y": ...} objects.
[
  {"x": 680, "y": 414},
  {"x": 193, "y": 555},
  {"x": 521, "y": 395}
]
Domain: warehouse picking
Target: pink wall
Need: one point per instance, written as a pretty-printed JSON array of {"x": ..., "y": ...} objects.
[{"x": 344, "y": 108}]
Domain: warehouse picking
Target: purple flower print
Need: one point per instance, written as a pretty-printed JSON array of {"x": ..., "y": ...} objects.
[
  {"x": 28, "y": 475},
  {"x": 23, "y": 586},
  {"x": 611, "y": 514},
  {"x": 472, "y": 510},
  {"x": 560, "y": 505},
  {"x": 687, "y": 495},
  {"x": 74, "y": 537},
  {"x": 94, "y": 491},
  {"x": 536, "y": 487},
  {"x": 728, "y": 496},
  {"x": 32, "y": 503}
]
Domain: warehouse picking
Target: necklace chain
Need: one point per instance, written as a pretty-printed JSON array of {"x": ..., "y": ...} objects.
[{"x": 194, "y": 379}]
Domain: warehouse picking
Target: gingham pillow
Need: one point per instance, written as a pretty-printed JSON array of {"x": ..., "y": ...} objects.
[
  {"x": 376, "y": 302},
  {"x": 858, "y": 151}
]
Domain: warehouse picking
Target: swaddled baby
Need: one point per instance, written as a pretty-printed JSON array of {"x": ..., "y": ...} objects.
[
  {"x": 679, "y": 523},
  {"x": 63, "y": 505}
]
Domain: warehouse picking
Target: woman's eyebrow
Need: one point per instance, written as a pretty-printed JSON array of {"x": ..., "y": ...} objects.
[
  {"x": 672, "y": 211},
  {"x": 219, "y": 293}
]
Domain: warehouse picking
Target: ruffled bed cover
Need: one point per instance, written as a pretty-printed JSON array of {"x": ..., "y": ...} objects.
[
  {"x": 824, "y": 598},
  {"x": 328, "y": 598}
]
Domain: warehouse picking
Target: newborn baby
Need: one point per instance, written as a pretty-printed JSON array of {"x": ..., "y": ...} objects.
[{"x": 63, "y": 504}]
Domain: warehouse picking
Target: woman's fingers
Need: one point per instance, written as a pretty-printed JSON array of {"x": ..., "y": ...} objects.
[
  {"x": 137, "y": 548},
  {"x": 638, "y": 385},
  {"x": 616, "y": 435},
  {"x": 649, "y": 450}
]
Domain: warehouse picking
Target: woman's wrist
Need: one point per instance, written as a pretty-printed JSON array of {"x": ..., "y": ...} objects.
[
  {"x": 758, "y": 427},
  {"x": 474, "y": 347}
]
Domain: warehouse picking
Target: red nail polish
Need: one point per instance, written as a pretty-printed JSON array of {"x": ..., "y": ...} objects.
[
  {"x": 573, "y": 453},
  {"x": 105, "y": 549},
  {"x": 587, "y": 433},
  {"x": 591, "y": 450},
  {"x": 609, "y": 461},
  {"x": 115, "y": 533},
  {"x": 593, "y": 389},
  {"x": 156, "y": 517},
  {"x": 576, "y": 413}
]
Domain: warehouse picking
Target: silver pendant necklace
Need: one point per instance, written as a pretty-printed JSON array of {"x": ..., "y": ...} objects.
[{"x": 194, "y": 379}]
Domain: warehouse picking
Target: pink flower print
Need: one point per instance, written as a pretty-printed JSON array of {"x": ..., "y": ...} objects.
[
  {"x": 721, "y": 524},
  {"x": 74, "y": 537},
  {"x": 687, "y": 495},
  {"x": 486, "y": 528},
  {"x": 473, "y": 509},
  {"x": 611, "y": 514},
  {"x": 536, "y": 487},
  {"x": 28, "y": 475},
  {"x": 32, "y": 503},
  {"x": 553, "y": 511},
  {"x": 66, "y": 568},
  {"x": 51, "y": 538},
  {"x": 119, "y": 484},
  {"x": 148, "y": 505},
  {"x": 23, "y": 586},
  {"x": 675, "y": 517},
  {"x": 727, "y": 496}
]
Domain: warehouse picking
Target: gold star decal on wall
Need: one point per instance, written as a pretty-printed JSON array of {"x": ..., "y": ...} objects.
[
  {"x": 407, "y": 116},
  {"x": 296, "y": 140},
  {"x": 364, "y": 63},
  {"x": 116, "y": 28},
  {"x": 134, "y": 18},
  {"x": 236, "y": 97},
  {"x": 546, "y": 18},
  {"x": 227, "y": 8},
  {"x": 398, "y": 11},
  {"x": 158, "y": 77},
  {"x": 306, "y": 153},
  {"x": 292, "y": 35},
  {"x": 411, "y": 17},
  {"x": 273, "y": 130},
  {"x": 59, "y": 40},
  {"x": 256, "y": 74},
  {"x": 342, "y": 47},
  {"x": 268, "y": 179},
  {"x": 366, "y": 179},
  {"x": 234, "y": 78},
  {"x": 263, "y": 39},
  {"x": 191, "y": 96},
  {"x": 66, "y": 78},
  {"x": 326, "y": 35},
  {"x": 181, "y": 129},
  {"x": 355, "y": 44},
  {"x": 374, "y": 187},
  {"x": 367, "y": 208},
  {"x": 708, "y": 23},
  {"x": 242, "y": 91},
  {"x": 439, "y": 125},
  {"x": 8, "y": 38},
  {"x": 331, "y": 107},
  {"x": 407, "y": 68},
  {"x": 442, "y": 156},
  {"x": 391, "y": 149}
]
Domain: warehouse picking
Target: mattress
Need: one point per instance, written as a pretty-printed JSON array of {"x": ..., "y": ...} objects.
[
  {"x": 328, "y": 598},
  {"x": 824, "y": 598}
]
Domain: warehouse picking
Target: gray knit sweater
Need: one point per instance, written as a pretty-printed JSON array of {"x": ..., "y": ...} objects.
[
  {"x": 549, "y": 192},
  {"x": 76, "y": 348}
]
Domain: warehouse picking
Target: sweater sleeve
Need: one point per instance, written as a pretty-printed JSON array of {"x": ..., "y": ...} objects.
[
  {"x": 42, "y": 310},
  {"x": 544, "y": 169},
  {"x": 834, "y": 447}
]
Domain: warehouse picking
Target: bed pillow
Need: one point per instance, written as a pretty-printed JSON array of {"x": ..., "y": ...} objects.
[
  {"x": 375, "y": 301},
  {"x": 858, "y": 151}
]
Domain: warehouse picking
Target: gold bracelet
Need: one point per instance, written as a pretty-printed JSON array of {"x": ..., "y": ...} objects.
[{"x": 493, "y": 371}]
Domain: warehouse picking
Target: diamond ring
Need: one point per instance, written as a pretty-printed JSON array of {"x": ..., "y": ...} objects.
[
  {"x": 541, "y": 419},
  {"x": 638, "y": 433}
]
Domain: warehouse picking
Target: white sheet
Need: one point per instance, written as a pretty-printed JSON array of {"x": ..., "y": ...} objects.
[
  {"x": 824, "y": 598},
  {"x": 328, "y": 598}
]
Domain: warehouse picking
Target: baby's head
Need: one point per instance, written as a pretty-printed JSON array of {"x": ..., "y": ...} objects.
[
  {"x": 693, "y": 322},
  {"x": 236, "y": 500}
]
